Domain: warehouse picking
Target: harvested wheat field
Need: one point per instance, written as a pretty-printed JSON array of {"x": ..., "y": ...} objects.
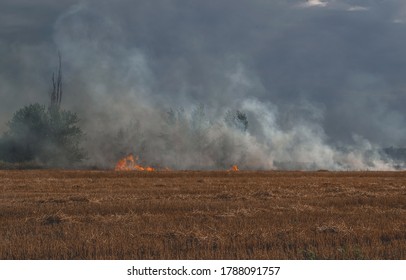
[{"x": 202, "y": 215}]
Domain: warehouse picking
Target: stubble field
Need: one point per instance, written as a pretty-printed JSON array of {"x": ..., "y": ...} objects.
[{"x": 202, "y": 215}]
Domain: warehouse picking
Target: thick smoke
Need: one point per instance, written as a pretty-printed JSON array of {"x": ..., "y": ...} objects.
[{"x": 320, "y": 82}]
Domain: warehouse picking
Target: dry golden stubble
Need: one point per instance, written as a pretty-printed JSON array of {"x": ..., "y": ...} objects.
[{"x": 52, "y": 214}]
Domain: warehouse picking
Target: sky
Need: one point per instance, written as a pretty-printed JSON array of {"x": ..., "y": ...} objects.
[{"x": 314, "y": 77}]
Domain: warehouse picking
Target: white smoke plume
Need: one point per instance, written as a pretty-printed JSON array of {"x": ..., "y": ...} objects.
[{"x": 165, "y": 83}]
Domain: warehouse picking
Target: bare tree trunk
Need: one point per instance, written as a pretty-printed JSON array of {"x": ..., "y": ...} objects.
[{"x": 56, "y": 93}]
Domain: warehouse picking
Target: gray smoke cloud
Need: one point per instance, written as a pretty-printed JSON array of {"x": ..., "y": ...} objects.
[{"x": 321, "y": 82}]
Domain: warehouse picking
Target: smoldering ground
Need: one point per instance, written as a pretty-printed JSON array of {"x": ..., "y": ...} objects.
[{"x": 320, "y": 82}]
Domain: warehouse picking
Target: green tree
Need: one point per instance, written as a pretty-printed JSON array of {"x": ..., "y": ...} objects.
[{"x": 49, "y": 136}]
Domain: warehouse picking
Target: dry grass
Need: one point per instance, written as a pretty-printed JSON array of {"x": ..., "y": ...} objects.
[{"x": 202, "y": 215}]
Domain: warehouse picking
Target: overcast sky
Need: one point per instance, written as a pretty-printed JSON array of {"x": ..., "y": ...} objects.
[{"x": 341, "y": 63}]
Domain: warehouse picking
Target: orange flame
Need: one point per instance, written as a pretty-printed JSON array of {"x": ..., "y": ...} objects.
[
  {"x": 130, "y": 163},
  {"x": 234, "y": 168}
]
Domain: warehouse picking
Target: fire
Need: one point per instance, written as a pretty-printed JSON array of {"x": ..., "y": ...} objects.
[
  {"x": 234, "y": 168},
  {"x": 130, "y": 163}
]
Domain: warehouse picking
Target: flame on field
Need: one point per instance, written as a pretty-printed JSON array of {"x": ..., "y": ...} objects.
[
  {"x": 234, "y": 168},
  {"x": 130, "y": 163}
]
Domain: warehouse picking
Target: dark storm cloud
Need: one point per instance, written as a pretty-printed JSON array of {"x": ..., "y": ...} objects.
[{"x": 319, "y": 74}]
